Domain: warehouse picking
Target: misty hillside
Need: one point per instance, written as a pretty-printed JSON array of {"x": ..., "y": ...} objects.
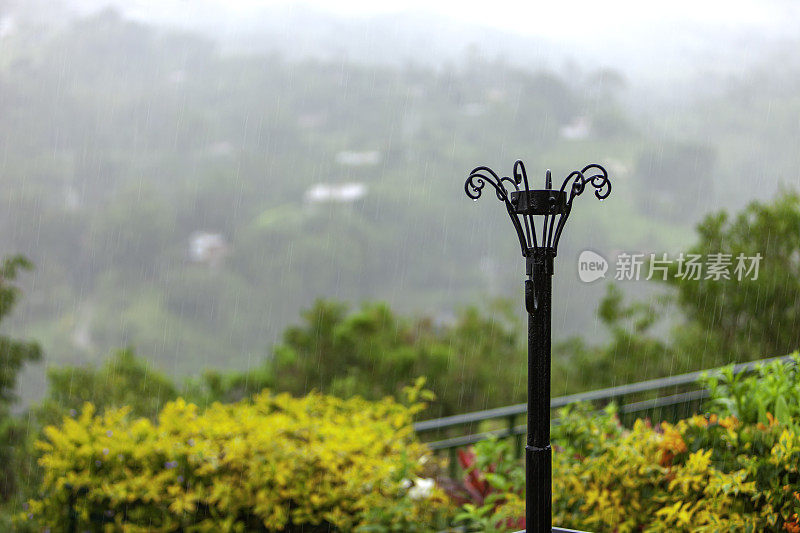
[{"x": 190, "y": 200}]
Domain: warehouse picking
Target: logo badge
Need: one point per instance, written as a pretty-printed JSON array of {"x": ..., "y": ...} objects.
[{"x": 591, "y": 266}]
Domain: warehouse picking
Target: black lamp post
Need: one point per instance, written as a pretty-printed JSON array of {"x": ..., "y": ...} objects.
[{"x": 554, "y": 205}]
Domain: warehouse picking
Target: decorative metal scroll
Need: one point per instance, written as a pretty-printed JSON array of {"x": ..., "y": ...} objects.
[{"x": 553, "y": 219}]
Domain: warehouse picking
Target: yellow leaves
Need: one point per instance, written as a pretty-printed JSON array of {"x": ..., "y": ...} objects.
[
  {"x": 181, "y": 501},
  {"x": 701, "y": 421},
  {"x": 400, "y": 420},
  {"x": 274, "y": 458},
  {"x": 415, "y": 393},
  {"x": 598, "y": 498},
  {"x": 787, "y": 447},
  {"x": 609, "y": 491},
  {"x": 721, "y": 486},
  {"x": 624, "y": 487},
  {"x": 698, "y": 461},
  {"x": 692, "y": 475},
  {"x": 678, "y": 515}
]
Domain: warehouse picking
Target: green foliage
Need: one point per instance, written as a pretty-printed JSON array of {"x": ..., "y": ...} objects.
[
  {"x": 198, "y": 469},
  {"x": 493, "y": 477},
  {"x": 13, "y": 356},
  {"x": 226, "y": 387},
  {"x": 632, "y": 353},
  {"x": 727, "y": 470},
  {"x": 579, "y": 439},
  {"x": 716, "y": 321},
  {"x": 123, "y": 380},
  {"x": 273, "y": 463},
  {"x": 772, "y": 389},
  {"x": 647, "y": 480},
  {"x": 747, "y": 319},
  {"x": 372, "y": 352}
]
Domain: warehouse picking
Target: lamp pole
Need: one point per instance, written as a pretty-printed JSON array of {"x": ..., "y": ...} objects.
[{"x": 553, "y": 206}]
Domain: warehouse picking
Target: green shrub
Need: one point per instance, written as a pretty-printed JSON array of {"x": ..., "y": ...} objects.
[
  {"x": 736, "y": 468},
  {"x": 273, "y": 463},
  {"x": 773, "y": 388},
  {"x": 701, "y": 474},
  {"x": 15, "y": 469},
  {"x": 123, "y": 380}
]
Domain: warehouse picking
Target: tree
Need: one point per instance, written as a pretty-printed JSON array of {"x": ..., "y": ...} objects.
[
  {"x": 745, "y": 318},
  {"x": 473, "y": 363},
  {"x": 13, "y": 356},
  {"x": 632, "y": 353},
  {"x": 123, "y": 380},
  {"x": 741, "y": 316}
]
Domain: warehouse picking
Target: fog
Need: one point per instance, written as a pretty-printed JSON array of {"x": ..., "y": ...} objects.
[
  {"x": 188, "y": 176},
  {"x": 650, "y": 45}
]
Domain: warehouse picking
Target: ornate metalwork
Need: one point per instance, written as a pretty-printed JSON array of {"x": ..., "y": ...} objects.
[{"x": 523, "y": 204}]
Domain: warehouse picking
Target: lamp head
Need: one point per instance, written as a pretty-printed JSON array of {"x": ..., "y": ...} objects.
[{"x": 524, "y": 203}]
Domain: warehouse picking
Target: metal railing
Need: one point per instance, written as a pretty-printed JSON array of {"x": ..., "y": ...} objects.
[{"x": 666, "y": 398}]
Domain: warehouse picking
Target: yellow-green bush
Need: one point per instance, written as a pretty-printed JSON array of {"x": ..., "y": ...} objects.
[
  {"x": 649, "y": 480},
  {"x": 273, "y": 463},
  {"x": 737, "y": 468},
  {"x": 705, "y": 473}
]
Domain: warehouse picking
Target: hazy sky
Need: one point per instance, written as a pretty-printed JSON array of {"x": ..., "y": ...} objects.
[
  {"x": 651, "y": 43},
  {"x": 581, "y": 20},
  {"x": 584, "y": 19}
]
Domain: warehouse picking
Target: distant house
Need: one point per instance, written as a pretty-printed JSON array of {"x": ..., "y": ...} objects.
[
  {"x": 338, "y": 193},
  {"x": 496, "y": 95},
  {"x": 580, "y": 128},
  {"x": 220, "y": 149},
  {"x": 177, "y": 77},
  {"x": 358, "y": 159},
  {"x": 207, "y": 248},
  {"x": 7, "y": 26}
]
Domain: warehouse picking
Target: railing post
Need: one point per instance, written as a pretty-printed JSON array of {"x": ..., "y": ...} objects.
[{"x": 512, "y": 425}]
